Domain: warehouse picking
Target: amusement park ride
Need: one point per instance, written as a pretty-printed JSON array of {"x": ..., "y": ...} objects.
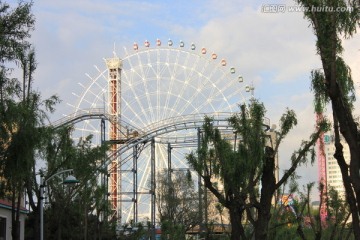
[
  {"x": 151, "y": 105},
  {"x": 322, "y": 172}
]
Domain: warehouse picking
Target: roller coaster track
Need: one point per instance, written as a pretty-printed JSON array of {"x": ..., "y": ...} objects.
[
  {"x": 91, "y": 113},
  {"x": 179, "y": 123},
  {"x": 184, "y": 122}
]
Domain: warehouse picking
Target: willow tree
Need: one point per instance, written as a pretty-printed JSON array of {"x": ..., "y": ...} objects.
[
  {"x": 244, "y": 179},
  {"x": 22, "y": 111},
  {"x": 333, "y": 84},
  {"x": 15, "y": 26}
]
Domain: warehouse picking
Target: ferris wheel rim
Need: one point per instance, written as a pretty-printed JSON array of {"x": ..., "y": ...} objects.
[
  {"x": 199, "y": 72},
  {"x": 159, "y": 48}
]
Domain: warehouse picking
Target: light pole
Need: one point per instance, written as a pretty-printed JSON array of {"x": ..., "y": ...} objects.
[{"x": 68, "y": 180}]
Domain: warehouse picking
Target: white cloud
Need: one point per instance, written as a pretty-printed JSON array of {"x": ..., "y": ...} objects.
[
  {"x": 352, "y": 57},
  {"x": 275, "y": 52}
]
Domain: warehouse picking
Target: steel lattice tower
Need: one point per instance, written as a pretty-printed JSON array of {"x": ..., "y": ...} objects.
[
  {"x": 114, "y": 66},
  {"x": 322, "y": 172}
]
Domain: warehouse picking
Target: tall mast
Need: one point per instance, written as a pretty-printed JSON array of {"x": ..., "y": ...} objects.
[
  {"x": 322, "y": 172},
  {"x": 114, "y": 66}
]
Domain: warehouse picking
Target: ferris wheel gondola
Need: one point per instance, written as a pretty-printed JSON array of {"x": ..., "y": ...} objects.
[{"x": 156, "y": 84}]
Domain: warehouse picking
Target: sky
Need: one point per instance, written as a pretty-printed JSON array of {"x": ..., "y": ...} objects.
[{"x": 273, "y": 51}]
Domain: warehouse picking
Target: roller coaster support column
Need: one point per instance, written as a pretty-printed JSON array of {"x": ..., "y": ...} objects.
[
  {"x": 102, "y": 126},
  {"x": 169, "y": 163},
  {"x": 206, "y": 212},
  {"x": 114, "y": 66},
  {"x": 153, "y": 188},
  {"x": 135, "y": 185},
  {"x": 201, "y": 220},
  {"x": 104, "y": 175},
  {"x": 235, "y": 133}
]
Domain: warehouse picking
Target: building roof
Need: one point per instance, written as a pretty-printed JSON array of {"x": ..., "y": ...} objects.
[{"x": 5, "y": 204}]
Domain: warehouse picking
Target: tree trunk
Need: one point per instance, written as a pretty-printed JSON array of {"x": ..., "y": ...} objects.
[
  {"x": 36, "y": 226},
  {"x": 342, "y": 113},
  {"x": 85, "y": 222},
  {"x": 350, "y": 197},
  {"x": 237, "y": 230},
  {"x": 268, "y": 182},
  {"x": 17, "y": 219},
  {"x": 15, "y": 212},
  {"x": 262, "y": 224}
]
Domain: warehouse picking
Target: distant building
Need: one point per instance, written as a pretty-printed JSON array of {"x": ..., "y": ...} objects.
[
  {"x": 5, "y": 220},
  {"x": 333, "y": 173},
  {"x": 6, "y": 210}
]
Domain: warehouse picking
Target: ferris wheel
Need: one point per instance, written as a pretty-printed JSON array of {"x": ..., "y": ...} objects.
[{"x": 158, "y": 83}]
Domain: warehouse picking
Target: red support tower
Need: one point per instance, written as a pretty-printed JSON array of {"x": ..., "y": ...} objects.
[
  {"x": 114, "y": 66},
  {"x": 322, "y": 172}
]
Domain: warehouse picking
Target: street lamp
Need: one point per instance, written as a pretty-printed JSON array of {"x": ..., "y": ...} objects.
[{"x": 68, "y": 180}]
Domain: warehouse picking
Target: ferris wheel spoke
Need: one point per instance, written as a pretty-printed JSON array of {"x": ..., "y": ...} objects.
[
  {"x": 96, "y": 97},
  {"x": 232, "y": 103},
  {"x": 162, "y": 160},
  {"x": 180, "y": 159},
  {"x": 158, "y": 87},
  {"x": 199, "y": 91},
  {"x": 130, "y": 77},
  {"x": 163, "y": 87},
  {"x": 184, "y": 86},
  {"x": 135, "y": 120},
  {"x": 172, "y": 72},
  {"x": 96, "y": 81},
  {"x": 101, "y": 76},
  {"x": 156, "y": 84},
  {"x": 136, "y": 108},
  {"x": 144, "y": 74},
  {"x": 85, "y": 101},
  {"x": 132, "y": 84},
  {"x": 153, "y": 75},
  {"x": 94, "y": 86},
  {"x": 215, "y": 84},
  {"x": 205, "y": 103}
]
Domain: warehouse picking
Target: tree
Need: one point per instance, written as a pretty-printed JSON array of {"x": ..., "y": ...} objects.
[
  {"x": 333, "y": 84},
  {"x": 177, "y": 202},
  {"x": 303, "y": 221},
  {"x": 25, "y": 138},
  {"x": 16, "y": 25},
  {"x": 74, "y": 212},
  {"x": 22, "y": 113},
  {"x": 247, "y": 175}
]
